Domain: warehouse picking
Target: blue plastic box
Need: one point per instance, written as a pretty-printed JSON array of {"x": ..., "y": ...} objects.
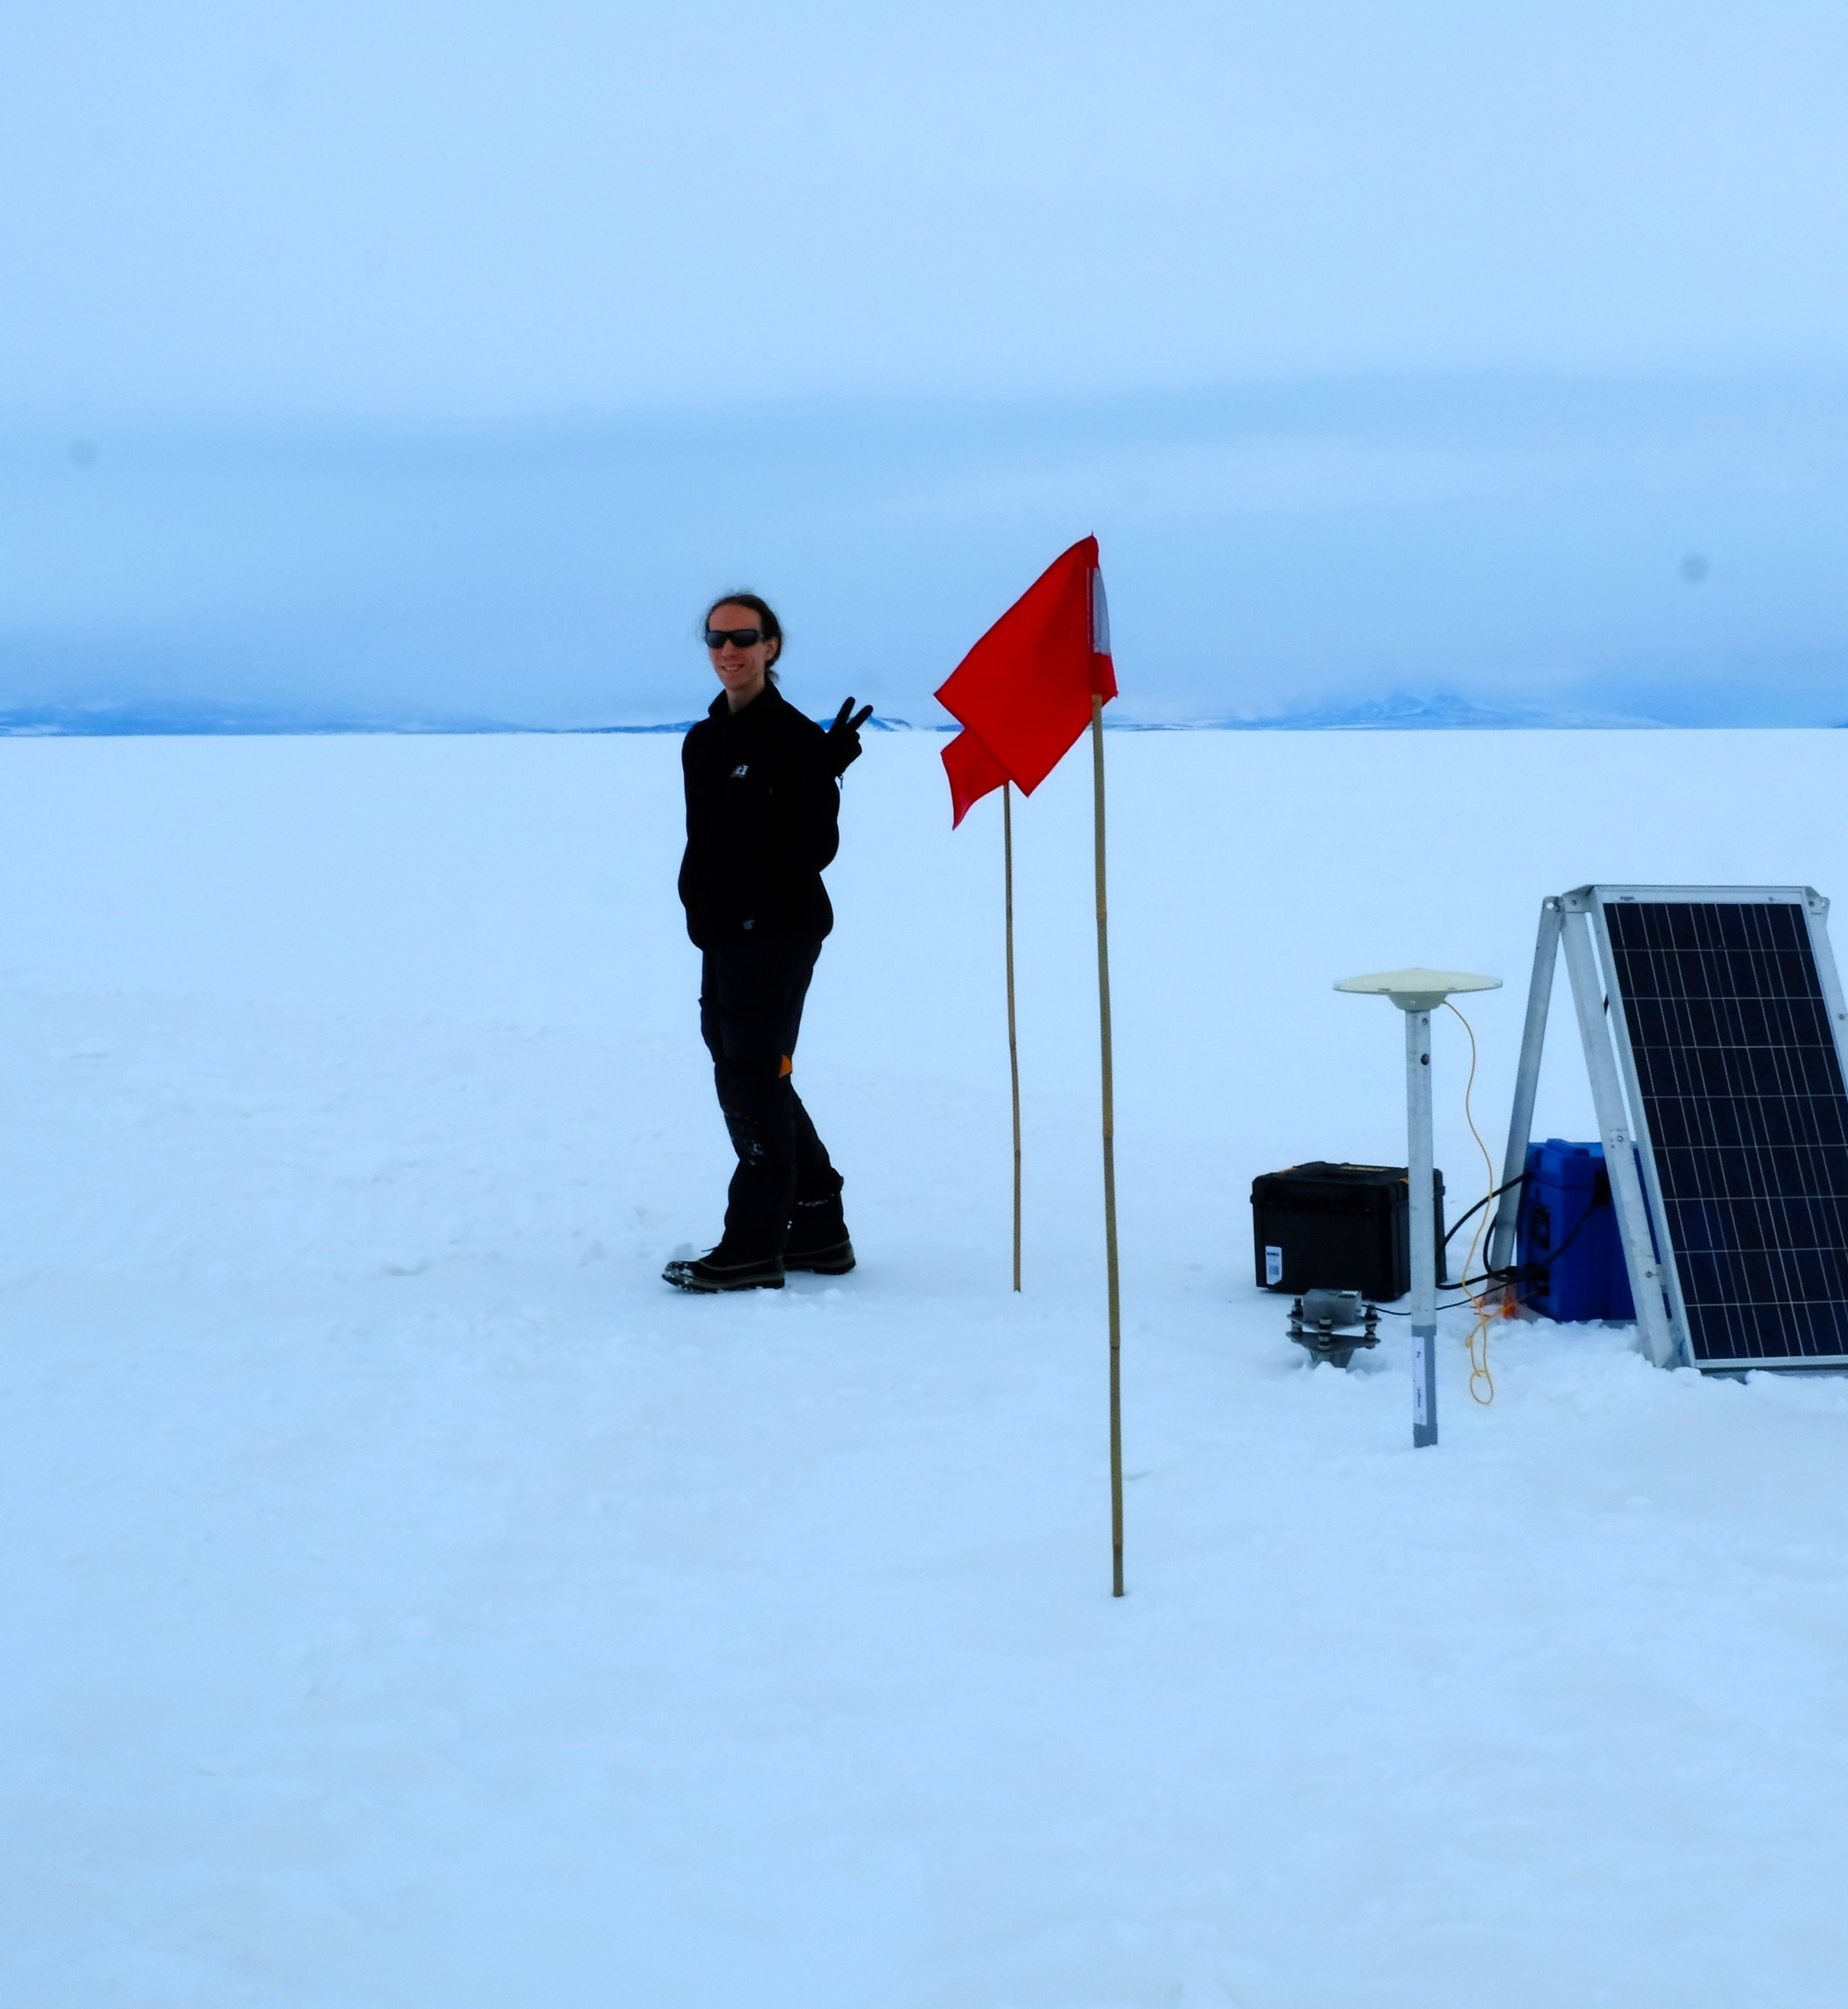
[{"x": 1567, "y": 1243}]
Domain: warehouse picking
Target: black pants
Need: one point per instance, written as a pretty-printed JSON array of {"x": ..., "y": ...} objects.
[{"x": 750, "y": 996}]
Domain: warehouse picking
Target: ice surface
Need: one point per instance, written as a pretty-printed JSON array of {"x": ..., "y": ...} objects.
[{"x": 409, "y": 1600}]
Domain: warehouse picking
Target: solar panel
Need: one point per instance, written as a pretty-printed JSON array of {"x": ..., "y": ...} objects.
[
  {"x": 1727, "y": 1096},
  {"x": 1738, "y": 1096}
]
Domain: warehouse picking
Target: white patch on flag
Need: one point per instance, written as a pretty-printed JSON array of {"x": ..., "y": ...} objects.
[{"x": 1100, "y": 616}]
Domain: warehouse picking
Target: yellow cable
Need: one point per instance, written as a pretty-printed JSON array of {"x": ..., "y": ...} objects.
[{"x": 1478, "y": 1337}]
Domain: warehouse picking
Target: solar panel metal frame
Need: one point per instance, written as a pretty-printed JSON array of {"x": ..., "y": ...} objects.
[{"x": 1578, "y": 922}]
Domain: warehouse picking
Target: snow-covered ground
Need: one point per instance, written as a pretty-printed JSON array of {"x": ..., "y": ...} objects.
[{"x": 409, "y": 1601}]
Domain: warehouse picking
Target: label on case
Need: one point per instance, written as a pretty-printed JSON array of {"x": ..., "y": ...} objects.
[{"x": 1273, "y": 1266}]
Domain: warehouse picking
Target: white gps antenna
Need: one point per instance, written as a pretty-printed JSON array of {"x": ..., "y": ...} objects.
[{"x": 1418, "y": 993}]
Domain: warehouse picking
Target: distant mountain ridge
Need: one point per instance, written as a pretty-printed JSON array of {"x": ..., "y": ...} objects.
[
  {"x": 1441, "y": 711},
  {"x": 125, "y": 721},
  {"x": 175, "y": 720},
  {"x": 160, "y": 718},
  {"x": 1399, "y": 712}
]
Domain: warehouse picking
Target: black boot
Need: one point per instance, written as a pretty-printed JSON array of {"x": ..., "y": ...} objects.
[
  {"x": 717, "y": 1270},
  {"x": 818, "y": 1240}
]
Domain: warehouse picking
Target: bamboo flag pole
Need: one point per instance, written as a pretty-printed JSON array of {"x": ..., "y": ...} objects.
[
  {"x": 1013, "y": 1041},
  {"x": 1109, "y": 1161}
]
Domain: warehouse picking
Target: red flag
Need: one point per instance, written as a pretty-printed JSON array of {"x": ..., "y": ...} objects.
[
  {"x": 1024, "y": 692},
  {"x": 973, "y": 772}
]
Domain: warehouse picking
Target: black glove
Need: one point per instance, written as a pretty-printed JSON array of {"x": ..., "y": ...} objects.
[{"x": 843, "y": 745}]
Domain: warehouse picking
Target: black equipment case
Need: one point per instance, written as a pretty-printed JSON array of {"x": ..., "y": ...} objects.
[{"x": 1338, "y": 1228}]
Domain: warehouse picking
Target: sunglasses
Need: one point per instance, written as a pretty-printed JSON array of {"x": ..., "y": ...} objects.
[{"x": 739, "y": 638}]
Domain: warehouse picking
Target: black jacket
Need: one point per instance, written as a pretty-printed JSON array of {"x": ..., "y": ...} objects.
[{"x": 763, "y": 817}]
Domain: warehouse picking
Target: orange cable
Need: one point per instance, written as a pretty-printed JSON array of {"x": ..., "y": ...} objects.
[{"x": 1479, "y": 1376}]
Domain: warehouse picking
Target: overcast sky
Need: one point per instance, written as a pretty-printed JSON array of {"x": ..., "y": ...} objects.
[
  {"x": 404, "y": 359},
  {"x": 402, "y": 207}
]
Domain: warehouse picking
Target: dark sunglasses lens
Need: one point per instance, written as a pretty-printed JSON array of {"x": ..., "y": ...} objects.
[{"x": 741, "y": 638}]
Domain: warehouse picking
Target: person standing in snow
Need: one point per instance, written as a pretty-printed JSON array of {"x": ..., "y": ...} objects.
[{"x": 762, "y": 801}]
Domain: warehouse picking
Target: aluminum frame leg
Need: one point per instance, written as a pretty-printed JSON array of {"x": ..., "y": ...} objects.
[
  {"x": 1527, "y": 1084},
  {"x": 1646, "y": 1282}
]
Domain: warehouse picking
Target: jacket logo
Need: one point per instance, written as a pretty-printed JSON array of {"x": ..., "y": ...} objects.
[{"x": 742, "y": 769}]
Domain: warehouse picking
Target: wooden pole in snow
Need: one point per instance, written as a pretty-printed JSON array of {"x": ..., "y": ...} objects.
[
  {"x": 1013, "y": 1041},
  {"x": 1109, "y": 1160}
]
